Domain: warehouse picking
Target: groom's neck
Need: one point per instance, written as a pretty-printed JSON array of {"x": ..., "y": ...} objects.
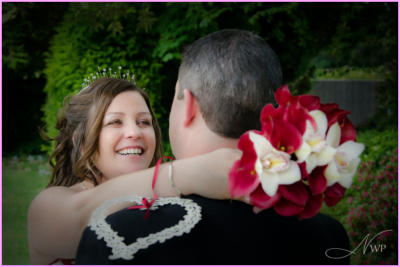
[{"x": 207, "y": 141}]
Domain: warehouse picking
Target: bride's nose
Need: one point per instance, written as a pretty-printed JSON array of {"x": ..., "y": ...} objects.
[{"x": 133, "y": 131}]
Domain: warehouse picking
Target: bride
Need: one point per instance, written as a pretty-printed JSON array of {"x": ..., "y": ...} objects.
[{"x": 107, "y": 146}]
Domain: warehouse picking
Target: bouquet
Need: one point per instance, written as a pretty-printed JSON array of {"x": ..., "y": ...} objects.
[{"x": 305, "y": 154}]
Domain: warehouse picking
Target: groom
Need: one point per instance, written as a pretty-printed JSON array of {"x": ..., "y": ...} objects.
[{"x": 224, "y": 80}]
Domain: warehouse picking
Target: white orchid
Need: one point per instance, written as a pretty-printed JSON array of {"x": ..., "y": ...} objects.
[
  {"x": 273, "y": 167},
  {"x": 345, "y": 161},
  {"x": 314, "y": 149}
]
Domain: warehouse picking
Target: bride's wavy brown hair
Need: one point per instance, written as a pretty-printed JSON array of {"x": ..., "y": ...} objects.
[{"x": 79, "y": 126}]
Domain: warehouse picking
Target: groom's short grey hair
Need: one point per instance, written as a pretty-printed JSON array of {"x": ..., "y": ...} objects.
[{"x": 232, "y": 74}]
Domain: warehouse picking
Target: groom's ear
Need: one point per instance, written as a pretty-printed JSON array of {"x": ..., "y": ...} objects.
[{"x": 191, "y": 107}]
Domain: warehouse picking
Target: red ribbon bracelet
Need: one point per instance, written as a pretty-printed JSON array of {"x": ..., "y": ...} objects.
[{"x": 145, "y": 203}]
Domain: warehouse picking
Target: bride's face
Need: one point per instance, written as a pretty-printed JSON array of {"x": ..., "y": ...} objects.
[{"x": 127, "y": 139}]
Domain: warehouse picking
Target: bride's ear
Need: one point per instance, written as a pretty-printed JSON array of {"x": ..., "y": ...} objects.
[{"x": 191, "y": 107}]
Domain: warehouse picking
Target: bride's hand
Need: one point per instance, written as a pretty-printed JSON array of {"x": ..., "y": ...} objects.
[{"x": 207, "y": 174}]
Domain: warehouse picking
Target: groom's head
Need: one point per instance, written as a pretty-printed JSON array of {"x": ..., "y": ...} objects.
[{"x": 224, "y": 80}]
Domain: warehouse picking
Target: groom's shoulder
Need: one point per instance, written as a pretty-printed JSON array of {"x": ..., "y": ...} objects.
[
  {"x": 237, "y": 215},
  {"x": 243, "y": 213},
  {"x": 305, "y": 239}
]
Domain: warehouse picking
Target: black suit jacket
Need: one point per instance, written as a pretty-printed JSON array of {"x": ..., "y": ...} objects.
[{"x": 228, "y": 233}]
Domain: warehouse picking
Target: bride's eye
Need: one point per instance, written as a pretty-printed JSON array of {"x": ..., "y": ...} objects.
[
  {"x": 114, "y": 122},
  {"x": 144, "y": 122}
]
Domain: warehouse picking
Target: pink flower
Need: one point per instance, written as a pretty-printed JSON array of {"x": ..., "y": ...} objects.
[
  {"x": 334, "y": 114},
  {"x": 243, "y": 177},
  {"x": 297, "y": 200},
  {"x": 312, "y": 208},
  {"x": 317, "y": 181},
  {"x": 284, "y": 97},
  {"x": 350, "y": 199},
  {"x": 261, "y": 200},
  {"x": 294, "y": 109},
  {"x": 282, "y": 134},
  {"x": 346, "y": 159},
  {"x": 334, "y": 194},
  {"x": 314, "y": 149},
  {"x": 261, "y": 163},
  {"x": 287, "y": 208},
  {"x": 296, "y": 193}
]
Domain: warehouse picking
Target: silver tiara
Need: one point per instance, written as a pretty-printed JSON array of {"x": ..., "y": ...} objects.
[{"x": 107, "y": 73}]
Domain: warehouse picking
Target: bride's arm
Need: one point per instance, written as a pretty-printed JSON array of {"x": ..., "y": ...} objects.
[
  {"x": 57, "y": 216},
  {"x": 205, "y": 175}
]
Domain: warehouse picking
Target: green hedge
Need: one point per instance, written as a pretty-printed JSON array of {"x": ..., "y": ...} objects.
[
  {"x": 147, "y": 38},
  {"x": 126, "y": 35},
  {"x": 77, "y": 50}
]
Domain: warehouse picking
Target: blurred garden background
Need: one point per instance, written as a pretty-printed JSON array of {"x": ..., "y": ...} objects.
[{"x": 48, "y": 49}]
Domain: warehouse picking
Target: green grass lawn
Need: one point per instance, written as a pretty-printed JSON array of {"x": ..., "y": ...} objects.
[{"x": 23, "y": 178}]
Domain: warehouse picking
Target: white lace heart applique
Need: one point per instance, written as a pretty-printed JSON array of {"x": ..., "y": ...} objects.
[{"x": 118, "y": 247}]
